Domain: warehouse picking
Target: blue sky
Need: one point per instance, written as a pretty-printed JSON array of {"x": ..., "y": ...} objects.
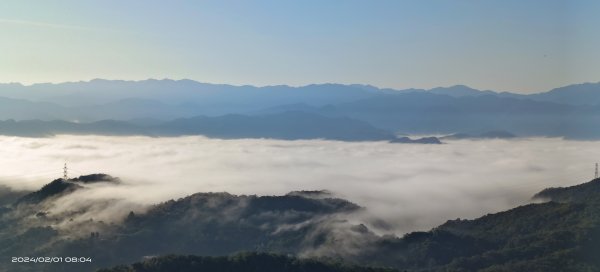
[{"x": 522, "y": 46}]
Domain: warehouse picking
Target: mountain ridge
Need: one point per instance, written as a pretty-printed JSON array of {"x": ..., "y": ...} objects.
[
  {"x": 549, "y": 236},
  {"x": 285, "y": 126},
  {"x": 457, "y": 86},
  {"x": 443, "y": 110}
]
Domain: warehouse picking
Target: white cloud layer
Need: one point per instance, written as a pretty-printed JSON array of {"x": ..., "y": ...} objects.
[{"x": 414, "y": 187}]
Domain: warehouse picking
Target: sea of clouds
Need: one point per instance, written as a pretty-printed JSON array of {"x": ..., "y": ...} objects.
[{"x": 411, "y": 186}]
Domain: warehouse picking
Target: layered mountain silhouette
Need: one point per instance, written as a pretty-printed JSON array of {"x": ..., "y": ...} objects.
[
  {"x": 561, "y": 112},
  {"x": 495, "y": 134},
  {"x": 287, "y": 126},
  {"x": 423, "y": 140},
  {"x": 562, "y": 234}
]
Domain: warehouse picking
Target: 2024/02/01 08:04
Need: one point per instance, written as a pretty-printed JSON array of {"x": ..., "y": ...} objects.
[{"x": 51, "y": 259}]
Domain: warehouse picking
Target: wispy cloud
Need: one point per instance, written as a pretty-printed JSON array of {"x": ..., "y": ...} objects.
[
  {"x": 414, "y": 187},
  {"x": 47, "y": 25}
]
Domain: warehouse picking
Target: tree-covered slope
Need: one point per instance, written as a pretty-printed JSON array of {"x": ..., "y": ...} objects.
[
  {"x": 245, "y": 262},
  {"x": 577, "y": 193},
  {"x": 560, "y": 235},
  {"x": 551, "y": 236}
]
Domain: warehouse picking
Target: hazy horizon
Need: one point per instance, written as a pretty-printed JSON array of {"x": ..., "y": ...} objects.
[
  {"x": 287, "y": 85},
  {"x": 512, "y": 46}
]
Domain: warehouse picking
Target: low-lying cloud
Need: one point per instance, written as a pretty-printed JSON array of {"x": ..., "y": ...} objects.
[{"x": 413, "y": 187}]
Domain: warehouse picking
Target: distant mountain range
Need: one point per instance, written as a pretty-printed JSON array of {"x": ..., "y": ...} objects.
[
  {"x": 563, "y": 112},
  {"x": 496, "y": 134},
  {"x": 286, "y": 126}
]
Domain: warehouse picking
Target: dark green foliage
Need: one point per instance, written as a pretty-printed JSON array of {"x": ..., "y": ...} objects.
[
  {"x": 537, "y": 237},
  {"x": 561, "y": 235},
  {"x": 8, "y": 196},
  {"x": 221, "y": 224},
  {"x": 204, "y": 224},
  {"x": 61, "y": 186},
  {"x": 54, "y": 188},
  {"x": 245, "y": 262},
  {"x": 95, "y": 178},
  {"x": 582, "y": 192}
]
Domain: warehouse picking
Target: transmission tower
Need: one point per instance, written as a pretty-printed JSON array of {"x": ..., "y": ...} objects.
[
  {"x": 65, "y": 172},
  {"x": 596, "y": 173}
]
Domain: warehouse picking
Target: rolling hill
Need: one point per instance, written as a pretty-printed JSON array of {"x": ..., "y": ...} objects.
[{"x": 560, "y": 235}]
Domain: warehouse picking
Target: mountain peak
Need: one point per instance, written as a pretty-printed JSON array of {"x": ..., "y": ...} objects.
[
  {"x": 96, "y": 178},
  {"x": 458, "y": 91},
  {"x": 61, "y": 186}
]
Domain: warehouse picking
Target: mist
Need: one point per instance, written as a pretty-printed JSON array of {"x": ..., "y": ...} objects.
[{"x": 412, "y": 187}]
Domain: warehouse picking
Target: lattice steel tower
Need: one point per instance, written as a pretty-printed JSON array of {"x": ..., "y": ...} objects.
[{"x": 66, "y": 172}]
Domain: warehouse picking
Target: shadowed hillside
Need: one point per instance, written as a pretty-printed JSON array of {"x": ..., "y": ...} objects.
[
  {"x": 560, "y": 235},
  {"x": 248, "y": 262}
]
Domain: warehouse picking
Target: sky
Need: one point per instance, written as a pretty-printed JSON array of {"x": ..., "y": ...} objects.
[{"x": 504, "y": 45}]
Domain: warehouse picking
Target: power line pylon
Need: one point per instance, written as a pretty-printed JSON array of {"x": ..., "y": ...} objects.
[{"x": 66, "y": 172}]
